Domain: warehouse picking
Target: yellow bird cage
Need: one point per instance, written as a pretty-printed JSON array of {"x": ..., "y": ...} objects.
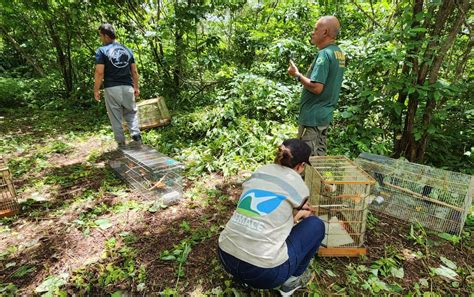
[{"x": 339, "y": 191}]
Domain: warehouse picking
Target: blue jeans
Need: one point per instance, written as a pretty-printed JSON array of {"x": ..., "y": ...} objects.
[{"x": 303, "y": 242}]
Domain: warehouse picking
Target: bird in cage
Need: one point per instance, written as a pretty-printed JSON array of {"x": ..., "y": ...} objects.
[
  {"x": 159, "y": 184},
  {"x": 379, "y": 177},
  {"x": 356, "y": 199},
  {"x": 329, "y": 187},
  {"x": 426, "y": 190}
]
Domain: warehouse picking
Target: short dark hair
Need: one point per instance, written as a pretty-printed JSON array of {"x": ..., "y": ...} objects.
[{"x": 108, "y": 30}]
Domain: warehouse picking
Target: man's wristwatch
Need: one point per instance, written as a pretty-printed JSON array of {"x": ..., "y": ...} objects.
[{"x": 298, "y": 77}]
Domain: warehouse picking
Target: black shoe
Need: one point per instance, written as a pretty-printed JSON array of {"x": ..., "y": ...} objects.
[{"x": 137, "y": 138}]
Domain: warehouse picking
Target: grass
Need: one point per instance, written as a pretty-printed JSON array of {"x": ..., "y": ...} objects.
[{"x": 77, "y": 216}]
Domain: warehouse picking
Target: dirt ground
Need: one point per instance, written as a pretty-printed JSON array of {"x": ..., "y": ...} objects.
[{"x": 49, "y": 237}]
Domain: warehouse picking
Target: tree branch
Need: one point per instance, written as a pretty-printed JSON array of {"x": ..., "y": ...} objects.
[
  {"x": 374, "y": 22},
  {"x": 18, "y": 48}
]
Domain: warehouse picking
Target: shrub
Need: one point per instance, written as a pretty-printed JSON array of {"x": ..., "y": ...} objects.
[{"x": 33, "y": 92}]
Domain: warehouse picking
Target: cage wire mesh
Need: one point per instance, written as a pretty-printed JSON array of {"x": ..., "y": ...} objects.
[
  {"x": 339, "y": 192},
  {"x": 8, "y": 199},
  {"x": 154, "y": 174},
  {"x": 437, "y": 199}
]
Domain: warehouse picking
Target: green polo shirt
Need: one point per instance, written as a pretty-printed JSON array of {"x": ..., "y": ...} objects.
[{"x": 327, "y": 68}]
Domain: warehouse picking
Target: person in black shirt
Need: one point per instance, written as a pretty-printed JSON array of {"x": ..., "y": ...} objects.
[{"x": 115, "y": 66}]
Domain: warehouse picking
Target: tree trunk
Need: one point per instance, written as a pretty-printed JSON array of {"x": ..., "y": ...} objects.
[
  {"x": 433, "y": 78},
  {"x": 429, "y": 67},
  {"x": 402, "y": 139},
  {"x": 18, "y": 48},
  {"x": 443, "y": 13},
  {"x": 178, "y": 56},
  {"x": 178, "y": 43},
  {"x": 62, "y": 59},
  {"x": 461, "y": 65}
]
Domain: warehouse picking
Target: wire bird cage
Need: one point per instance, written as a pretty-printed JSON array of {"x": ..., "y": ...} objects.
[
  {"x": 152, "y": 173},
  {"x": 339, "y": 192},
  {"x": 8, "y": 200},
  {"x": 152, "y": 113},
  {"x": 437, "y": 199}
]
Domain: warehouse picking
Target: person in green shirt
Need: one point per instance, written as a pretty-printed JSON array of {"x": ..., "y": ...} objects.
[{"x": 321, "y": 85}]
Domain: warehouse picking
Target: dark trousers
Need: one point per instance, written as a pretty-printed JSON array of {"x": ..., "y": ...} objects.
[
  {"x": 315, "y": 137},
  {"x": 303, "y": 242}
]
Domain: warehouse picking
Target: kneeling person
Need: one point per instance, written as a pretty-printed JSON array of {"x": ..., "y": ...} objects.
[{"x": 261, "y": 246}]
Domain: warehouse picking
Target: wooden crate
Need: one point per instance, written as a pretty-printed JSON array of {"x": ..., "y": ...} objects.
[
  {"x": 152, "y": 113},
  {"x": 339, "y": 191},
  {"x": 8, "y": 201}
]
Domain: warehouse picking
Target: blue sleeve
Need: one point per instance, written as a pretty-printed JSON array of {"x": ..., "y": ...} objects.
[
  {"x": 320, "y": 69},
  {"x": 99, "y": 57}
]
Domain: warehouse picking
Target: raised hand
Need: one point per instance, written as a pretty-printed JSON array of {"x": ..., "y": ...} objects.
[{"x": 292, "y": 69}]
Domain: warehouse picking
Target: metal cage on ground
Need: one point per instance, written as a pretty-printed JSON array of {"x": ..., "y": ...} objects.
[
  {"x": 152, "y": 173},
  {"x": 435, "y": 198},
  {"x": 339, "y": 192}
]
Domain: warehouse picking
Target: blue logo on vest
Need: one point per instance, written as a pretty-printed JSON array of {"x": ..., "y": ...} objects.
[{"x": 256, "y": 203}]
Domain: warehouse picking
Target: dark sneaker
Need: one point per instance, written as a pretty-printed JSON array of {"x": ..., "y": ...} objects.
[
  {"x": 294, "y": 283},
  {"x": 121, "y": 145},
  {"x": 137, "y": 138}
]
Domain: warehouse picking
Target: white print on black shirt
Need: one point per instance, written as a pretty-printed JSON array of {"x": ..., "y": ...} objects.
[{"x": 118, "y": 56}]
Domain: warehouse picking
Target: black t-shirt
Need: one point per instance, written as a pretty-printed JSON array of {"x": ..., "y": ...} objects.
[{"x": 117, "y": 59}]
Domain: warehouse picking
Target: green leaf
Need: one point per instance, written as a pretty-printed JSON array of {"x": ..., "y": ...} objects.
[
  {"x": 103, "y": 223},
  {"x": 185, "y": 226},
  {"x": 452, "y": 238},
  {"x": 51, "y": 283},
  {"x": 11, "y": 264},
  {"x": 423, "y": 282},
  {"x": 141, "y": 287},
  {"x": 449, "y": 263},
  {"x": 416, "y": 30},
  {"x": 398, "y": 109},
  {"x": 431, "y": 130},
  {"x": 168, "y": 258},
  {"x": 445, "y": 272},
  {"x": 417, "y": 135},
  {"x": 346, "y": 114},
  {"x": 116, "y": 294},
  {"x": 397, "y": 272},
  {"x": 23, "y": 270},
  {"x": 330, "y": 273}
]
